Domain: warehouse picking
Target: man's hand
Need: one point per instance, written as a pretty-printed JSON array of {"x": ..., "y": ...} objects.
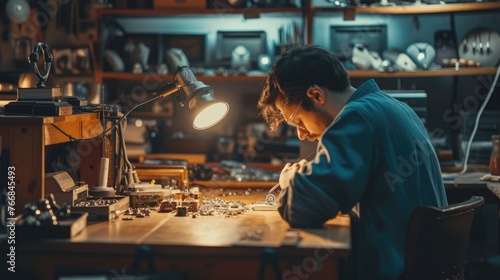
[{"x": 289, "y": 171}]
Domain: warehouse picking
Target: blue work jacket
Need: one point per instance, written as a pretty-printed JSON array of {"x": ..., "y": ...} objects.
[{"x": 375, "y": 154}]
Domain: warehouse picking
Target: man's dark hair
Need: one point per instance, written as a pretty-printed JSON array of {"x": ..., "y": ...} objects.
[{"x": 299, "y": 68}]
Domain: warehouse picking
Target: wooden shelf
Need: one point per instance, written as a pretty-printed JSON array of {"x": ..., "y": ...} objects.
[
  {"x": 424, "y": 73},
  {"x": 417, "y": 9},
  {"x": 352, "y": 74},
  {"x": 218, "y": 12},
  {"x": 207, "y": 78},
  {"x": 401, "y": 9}
]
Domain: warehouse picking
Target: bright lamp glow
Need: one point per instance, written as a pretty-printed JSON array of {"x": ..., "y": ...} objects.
[
  {"x": 210, "y": 115},
  {"x": 196, "y": 95}
]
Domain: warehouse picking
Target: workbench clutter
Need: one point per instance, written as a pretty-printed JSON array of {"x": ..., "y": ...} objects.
[
  {"x": 48, "y": 219},
  {"x": 61, "y": 186},
  {"x": 193, "y": 203}
]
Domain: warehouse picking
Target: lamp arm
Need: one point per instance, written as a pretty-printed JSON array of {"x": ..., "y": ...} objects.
[
  {"x": 129, "y": 176},
  {"x": 169, "y": 89}
]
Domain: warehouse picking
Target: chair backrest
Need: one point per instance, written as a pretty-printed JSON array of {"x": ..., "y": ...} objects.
[{"x": 437, "y": 240}]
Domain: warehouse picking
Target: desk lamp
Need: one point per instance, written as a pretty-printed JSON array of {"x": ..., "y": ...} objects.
[{"x": 199, "y": 98}]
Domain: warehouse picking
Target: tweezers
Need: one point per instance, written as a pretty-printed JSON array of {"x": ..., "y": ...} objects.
[{"x": 274, "y": 188}]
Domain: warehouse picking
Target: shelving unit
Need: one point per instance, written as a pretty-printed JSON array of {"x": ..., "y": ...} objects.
[
  {"x": 189, "y": 14},
  {"x": 416, "y": 9},
  {"x": 180, "y": 12},
  {"x": 310, "y": 13},
  {"x": 207, "y": 78},
  {"x": 424, "y": 73}
]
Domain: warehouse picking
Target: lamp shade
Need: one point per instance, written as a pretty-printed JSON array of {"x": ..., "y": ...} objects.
[
  {"x": 200, "y": 99},
  {"x": 210, "y": 114}
]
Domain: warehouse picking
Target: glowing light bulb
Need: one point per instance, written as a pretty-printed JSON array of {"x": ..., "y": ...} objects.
[{"x": 211, "y": 115}]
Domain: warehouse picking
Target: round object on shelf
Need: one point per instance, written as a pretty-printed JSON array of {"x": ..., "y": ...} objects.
[
  {"x": 471, "y": 63},
  {"x": 18, "y": 11},
  {"x": 265, "y": 62},
  {"x": 445, "y": 62},
  {"x": 422, "y": 54},
  {"x": 481, "y": 45}
]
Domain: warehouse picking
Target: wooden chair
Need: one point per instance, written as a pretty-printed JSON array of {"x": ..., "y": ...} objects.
[{"x": 437, "y": 240}]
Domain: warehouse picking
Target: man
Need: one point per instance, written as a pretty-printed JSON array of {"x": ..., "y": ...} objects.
[{"x": 372, "y": 150}]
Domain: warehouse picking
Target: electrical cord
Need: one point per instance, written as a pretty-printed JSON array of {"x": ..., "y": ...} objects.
[
  {"x": 71, "y": 138},
  {"x": 128, "y": 175},
  {"x": 101, "y": 108},
  {"x": 127, "y": 163},
  {"x": 474, "y": 130}
]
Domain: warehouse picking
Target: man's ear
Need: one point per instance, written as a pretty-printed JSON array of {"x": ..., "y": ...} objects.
[{"x": 316, "y": 94}]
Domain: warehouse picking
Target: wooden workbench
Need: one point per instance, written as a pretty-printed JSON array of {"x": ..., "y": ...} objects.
[
  {"x": 24, "y": 140},
  {"x": 205, "y": 247}
]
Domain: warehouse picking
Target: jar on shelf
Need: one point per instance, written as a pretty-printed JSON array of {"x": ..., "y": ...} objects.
[{"x": 495, "y": 156}]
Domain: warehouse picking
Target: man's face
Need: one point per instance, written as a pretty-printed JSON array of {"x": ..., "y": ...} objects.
[{"x": 310, "y": 124}]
